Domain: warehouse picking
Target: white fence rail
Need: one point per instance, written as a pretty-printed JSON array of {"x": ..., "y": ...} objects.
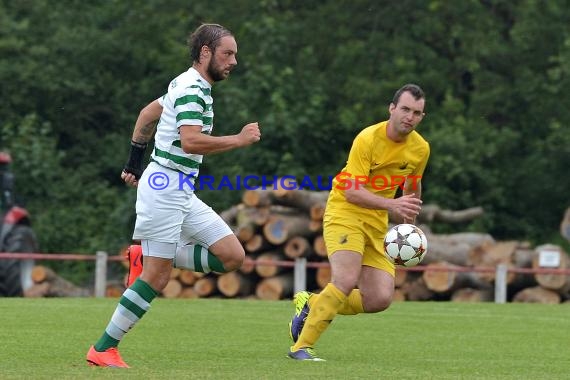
[{"x": 299, "y": 265}]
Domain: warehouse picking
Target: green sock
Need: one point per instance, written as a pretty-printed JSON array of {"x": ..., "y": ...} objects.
[
  {"x": 196, "y": 258},
  {"x": 134, "y": 303}
]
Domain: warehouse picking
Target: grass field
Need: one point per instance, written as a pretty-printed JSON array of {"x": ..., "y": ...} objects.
[{"x": 238, "y": 339}]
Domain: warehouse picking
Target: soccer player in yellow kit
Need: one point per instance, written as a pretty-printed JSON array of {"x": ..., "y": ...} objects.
[{"x": 384, "y": 157}]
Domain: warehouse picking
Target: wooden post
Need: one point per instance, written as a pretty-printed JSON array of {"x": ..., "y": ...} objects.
[
  {"x": 300, "y": 274},
  {"x": 100, "y": 274},
  {"x": 501, "y": 284}
]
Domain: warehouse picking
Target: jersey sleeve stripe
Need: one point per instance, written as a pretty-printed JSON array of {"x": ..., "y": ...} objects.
[
  {"x": 190, "y": 99},
  {"x": 189, "y": 115},
  {"x": 206, "y": 91},
  {"x": 198, "y": 118},
  {"x": 189, "y": 163}
]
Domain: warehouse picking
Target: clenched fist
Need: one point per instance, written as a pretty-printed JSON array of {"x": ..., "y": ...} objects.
[{"x": 250, "y": 134}]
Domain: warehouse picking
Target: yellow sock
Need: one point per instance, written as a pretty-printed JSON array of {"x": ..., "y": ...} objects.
[
  {"x": 313, "y": 299},
  {"x": 353, "y": 304},
  {"x": 323, "y": 311}
]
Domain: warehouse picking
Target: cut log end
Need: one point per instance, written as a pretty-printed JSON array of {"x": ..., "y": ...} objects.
[
  {"x": 234, "y": 284},
  {"x": 275, "y": 288},
  {"x": 296, "y": 247}
]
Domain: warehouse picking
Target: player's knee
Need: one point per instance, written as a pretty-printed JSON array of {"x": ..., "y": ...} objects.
[
  {"x": 378, "y": 303},
  {"x": 156, "y": 280},
  {"x": 381, "y": 305},
  {"x": 234, "y": 260},
  {"x": 344, "y": 284}
]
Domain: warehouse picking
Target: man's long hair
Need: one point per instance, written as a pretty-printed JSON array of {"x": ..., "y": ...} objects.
[{"x": 206, "y": 35}]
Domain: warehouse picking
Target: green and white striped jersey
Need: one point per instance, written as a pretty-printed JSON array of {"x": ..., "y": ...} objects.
[{"x": 187, "y": 102}]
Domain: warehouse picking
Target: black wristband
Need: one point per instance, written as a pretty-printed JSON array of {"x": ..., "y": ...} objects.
[{"x": 136, "y": 156}]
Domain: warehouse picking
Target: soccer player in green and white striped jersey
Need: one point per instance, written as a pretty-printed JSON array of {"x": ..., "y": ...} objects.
[{"x": 174, "y": 226}]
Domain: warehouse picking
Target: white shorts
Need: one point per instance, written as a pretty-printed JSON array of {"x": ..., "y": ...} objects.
[{"x": 168, "y": 211}]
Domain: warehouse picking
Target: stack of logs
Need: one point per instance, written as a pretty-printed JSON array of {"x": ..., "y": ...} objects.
[
  {"x": 279, "y": 225},
  {"x": 46, "y": 283}
]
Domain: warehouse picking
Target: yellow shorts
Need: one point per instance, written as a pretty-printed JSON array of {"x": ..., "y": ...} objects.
[{"x": 354, "y": 235}]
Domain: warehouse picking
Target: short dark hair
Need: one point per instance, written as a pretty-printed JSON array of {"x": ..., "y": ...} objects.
[
  {"x": 206, "y": 34},
  {"x": 413, "y": 89}
]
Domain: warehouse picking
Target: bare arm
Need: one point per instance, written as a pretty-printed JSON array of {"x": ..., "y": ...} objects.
[
  {"x": 142, "y": 134},
  {"x": 405, "y": 207},
  {"x": 196, "y": 142},
  {"x": 412, "y": 187},
  {"x": 146, "y": 122}
]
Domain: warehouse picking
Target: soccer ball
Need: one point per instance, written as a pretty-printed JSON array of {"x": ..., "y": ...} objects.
[{"x": 405, "y": 244}]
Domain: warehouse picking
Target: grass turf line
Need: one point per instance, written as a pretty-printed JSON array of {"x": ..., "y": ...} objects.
[{"x": 237, "y": 339}]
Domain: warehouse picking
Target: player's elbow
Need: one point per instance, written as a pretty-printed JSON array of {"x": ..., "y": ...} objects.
[
  {"x": 187, "y": 147},
  {"x": 150, "y": 113},
  {"x": 190, "y": 147}
]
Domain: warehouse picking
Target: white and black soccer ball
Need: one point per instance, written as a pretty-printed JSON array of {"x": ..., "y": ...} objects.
[{"x": 405, "y": 244}]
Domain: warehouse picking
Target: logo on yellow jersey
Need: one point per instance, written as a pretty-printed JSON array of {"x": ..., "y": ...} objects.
[
  {"x": 343, "y": 239},
  {"x": 404, "y": 165}
]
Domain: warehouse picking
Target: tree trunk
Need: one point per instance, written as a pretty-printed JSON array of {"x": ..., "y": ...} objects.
[
  {"x": 417, "y": 290},
  {"x": 522, "y": 258},
  {"x": 37, "y": 290},
  {"x": 205, "y": 286},
  {"x": 275, "y": 288},
  {"x": 473, "y": 295},
  {"x": 269, "y": 270},
  {"x": 246, "y": 224},
  {"x": 317, "y": 211},
  {"x": 234, "y": 284},
  {"x": 297, "y": 246},
  {"x": 444, "y": 282},
  {"x": 433, "y": 213},
  {"x": 188, "y": 278},
  {"x": 229, "y": 215},
  {"x": 299, "y": 199},
  {"x": 323, "y": 276},
  {"x": 557, "y": 282},
  {"x": 41, "y": 274},
  {"x": 175, "y": 272},
  {"x": 491, "y": 254},
  {"x": 58, "y": 286},
  {"x": 248, "y": 219},
  {"x": 280, "y": 228},
  {"x": 319, "y": 246},
  {"x": 256, "y": 244},
  {"x": 400, "y": 277},
  {"x": 172, "y": 289},
  {"x": 316, "y": 226},
  {"x": 114, "y": 289},
  {"x": 399, "y": 295},
  {"x": 248, "y": 265},
  {"x": 537, "y": 294},
  {"x": 454, "y": 248},
  {"x": 257, "y": 197},
  {"x": 188, "y": 292}
]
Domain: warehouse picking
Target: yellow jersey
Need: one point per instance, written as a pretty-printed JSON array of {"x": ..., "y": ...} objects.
[{"x": 381, "y": 166}]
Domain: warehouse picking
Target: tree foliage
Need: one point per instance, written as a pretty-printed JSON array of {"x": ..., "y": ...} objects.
[{"x": 75, "y": 74}]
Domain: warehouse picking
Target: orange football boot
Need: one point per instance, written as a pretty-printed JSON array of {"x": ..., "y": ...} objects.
[
  {"x": 107, "y": 358},
  {"x": 135, "y": 258}
]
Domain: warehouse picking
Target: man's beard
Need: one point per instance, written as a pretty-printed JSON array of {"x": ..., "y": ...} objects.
[{"x": 214, "y": 73}]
